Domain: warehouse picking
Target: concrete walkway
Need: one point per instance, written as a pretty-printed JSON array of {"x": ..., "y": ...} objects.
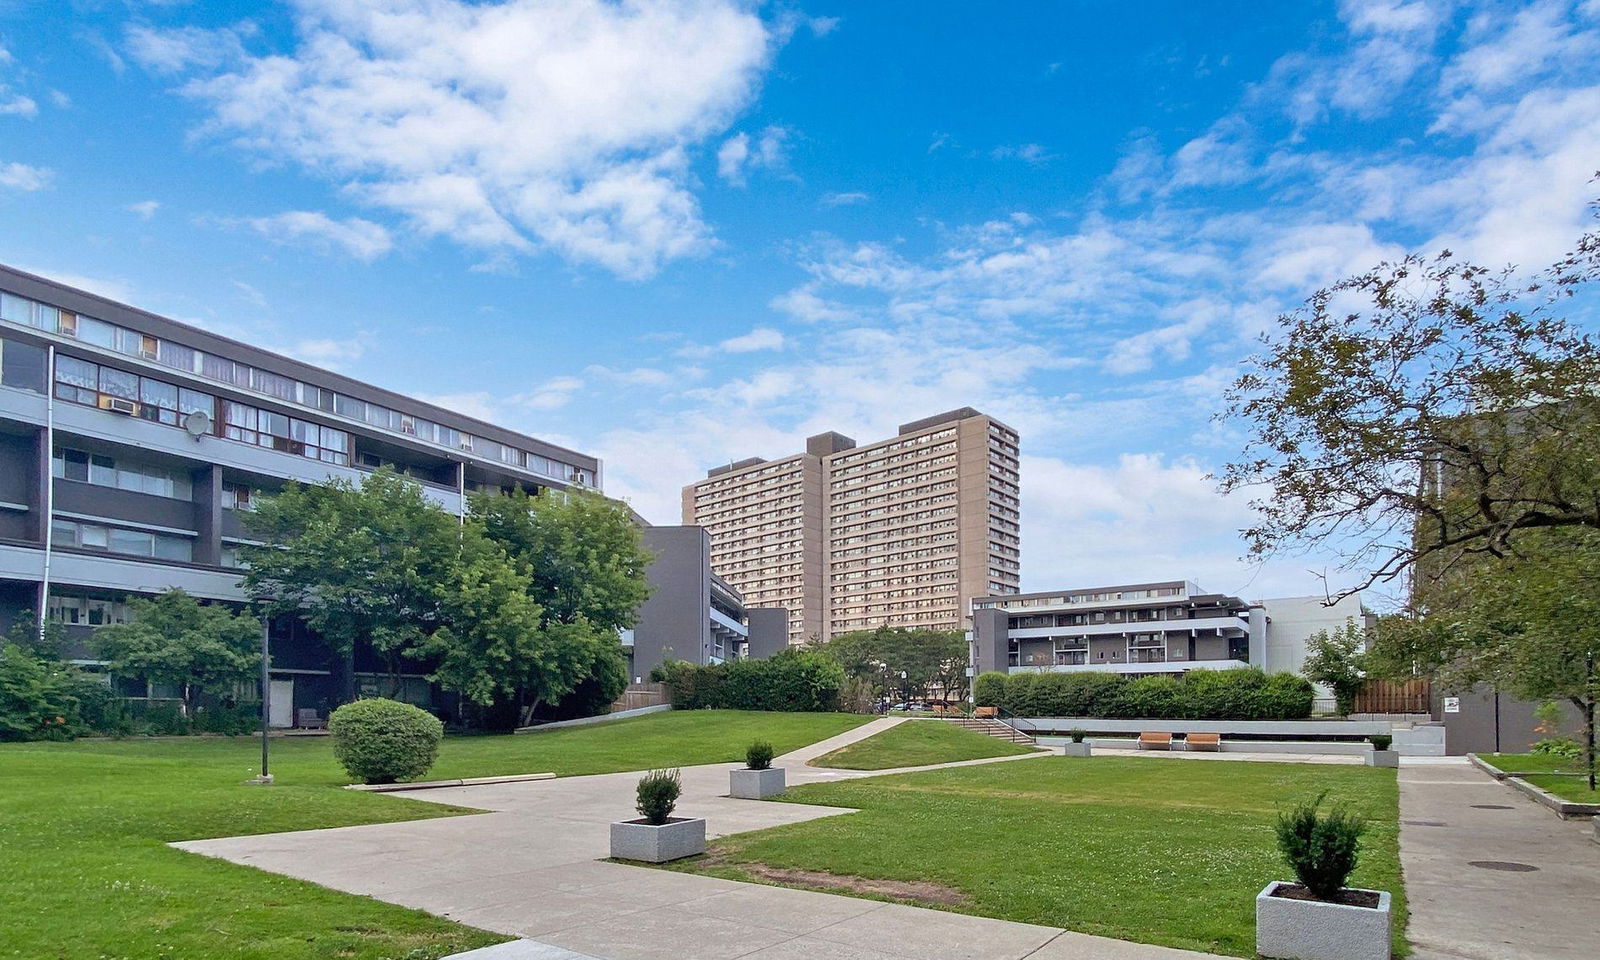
[
  {"x": 531, "y": 868},
  {"x": 1466, "y": 843}
]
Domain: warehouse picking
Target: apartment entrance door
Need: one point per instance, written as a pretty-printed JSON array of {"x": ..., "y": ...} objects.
[{"x": 280, "y": 703}]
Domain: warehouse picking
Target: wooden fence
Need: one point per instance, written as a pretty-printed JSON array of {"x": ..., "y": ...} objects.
[
  {"x": 1395, "y": 696},
  {"x": 642, "y": 695}
]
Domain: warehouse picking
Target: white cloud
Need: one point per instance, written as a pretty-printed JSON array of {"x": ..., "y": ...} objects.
[
  {"x": 761, "y": 338},
  {"x": 1031, "y": 153},
  {"x": 145, "y": 209},
  {"x": 328, "y": 352},
  {"x": 739, "y": 154},
  {"x": 361, "y": 239},
  {"x": 20, "y": 176},
  {"x": 564, "y": 125},
  {"x": 845, "y": 199}
]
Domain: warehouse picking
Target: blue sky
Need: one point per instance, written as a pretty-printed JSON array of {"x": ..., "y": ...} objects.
[{"x": 675, "y": 234}]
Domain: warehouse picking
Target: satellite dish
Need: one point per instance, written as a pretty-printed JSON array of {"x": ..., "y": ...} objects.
[{"x": 197, "y": 423}]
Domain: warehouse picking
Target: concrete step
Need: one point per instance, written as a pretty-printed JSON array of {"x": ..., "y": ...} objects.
[{"x": 992, "y": 728}]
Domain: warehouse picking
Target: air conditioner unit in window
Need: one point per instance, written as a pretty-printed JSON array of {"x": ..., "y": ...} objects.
[
  {"x": 119, "y": 405},
  {"x": 147, "y": 354}
]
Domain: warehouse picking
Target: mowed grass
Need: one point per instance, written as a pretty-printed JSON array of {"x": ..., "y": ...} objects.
[
  {"x": 1160, "y": 851},
  {"x": 1531, "y": 763},
  {"x": 917, "y": 743},
  {"x": 83, "y": 828},
  {"x": 1567, "y": 787}
]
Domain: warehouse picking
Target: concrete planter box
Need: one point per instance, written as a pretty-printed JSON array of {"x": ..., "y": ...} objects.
[
  {"x": 1076, "y": 749},
  {"x": 1314, "y": 930},
  {"x": 750, "y": 784},
  {"x": 1383, "y": 758},
  {"x": 679, "y": 837}
]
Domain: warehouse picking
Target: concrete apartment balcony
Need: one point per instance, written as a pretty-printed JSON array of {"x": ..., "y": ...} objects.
[
  {"x": 1167, "y": 666},
  {"x": 1220, "y": 624}
]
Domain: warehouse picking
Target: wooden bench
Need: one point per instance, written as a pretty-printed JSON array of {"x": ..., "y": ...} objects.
[
  {"x": 1203, "y": 741},
  {"x": 1152, "y": 740},
  {"x": 986, "y": 712}
]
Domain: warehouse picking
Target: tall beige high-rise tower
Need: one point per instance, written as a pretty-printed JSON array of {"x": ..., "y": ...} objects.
[{"x": 903, "y": 532}]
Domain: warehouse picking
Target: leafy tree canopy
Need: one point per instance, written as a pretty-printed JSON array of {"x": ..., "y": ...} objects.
[
  {"x": 174, "y": 638},
  {"x": 582, "y": 553},
  {"x": 1427, "y": 410},
  {"x": 927, "y": 658}
]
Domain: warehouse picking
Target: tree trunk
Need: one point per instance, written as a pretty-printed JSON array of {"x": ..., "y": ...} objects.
[{"x": 527, "y": 712}]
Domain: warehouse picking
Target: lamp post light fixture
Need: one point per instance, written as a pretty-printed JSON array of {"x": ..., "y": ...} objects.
[{"x": 265, "y": 779}]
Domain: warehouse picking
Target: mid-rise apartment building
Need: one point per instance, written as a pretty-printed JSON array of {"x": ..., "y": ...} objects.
[
  {"x": 1145, "y": 628},
  {"x": 902, "y": 532},
  {"x": 130, "y": 445}
]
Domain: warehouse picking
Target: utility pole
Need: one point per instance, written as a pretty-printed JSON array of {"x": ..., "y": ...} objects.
[{"x": 1588, "y": 715}]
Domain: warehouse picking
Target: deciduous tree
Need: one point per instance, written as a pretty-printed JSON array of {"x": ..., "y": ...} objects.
[{"x": 174, "y": 638}]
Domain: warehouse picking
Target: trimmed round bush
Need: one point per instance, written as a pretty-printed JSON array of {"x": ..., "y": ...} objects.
[
  {"x": 382, "y": 741},
  {"x": 1381, "y": 741}
]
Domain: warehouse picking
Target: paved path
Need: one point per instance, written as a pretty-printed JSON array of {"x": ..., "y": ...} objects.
[
  {"x": 530, "y": 869},
  {"x": 1452, "y": 814}
]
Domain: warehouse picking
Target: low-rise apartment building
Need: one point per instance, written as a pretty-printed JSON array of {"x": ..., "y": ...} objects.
[
  {"x": 1169, "y": 626},
  {"x": 130, "y": 445}
]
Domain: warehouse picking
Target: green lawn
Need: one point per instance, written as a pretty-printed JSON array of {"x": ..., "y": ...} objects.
[
  {"x": 1530, "y": 763},
  {"x": 83, "y": 828},
  {"x": 1566, "y": 787},
  {"x": 1159, "y": 851},
  {"x": 917, "y": 743}
]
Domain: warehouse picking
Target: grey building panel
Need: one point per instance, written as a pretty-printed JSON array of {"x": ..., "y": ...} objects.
[
  {"x": 991, "y": 636},
  {"x": 132, "y": 509},
  {"x": 118, "y": 574},
  {"x": 674, "y": 622},
  {"x": 769, "y": 631},
  {"x": 831, "y": 442}
]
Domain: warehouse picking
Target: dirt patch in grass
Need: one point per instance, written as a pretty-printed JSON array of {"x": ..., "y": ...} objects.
[{"x": 914, "y": 891}]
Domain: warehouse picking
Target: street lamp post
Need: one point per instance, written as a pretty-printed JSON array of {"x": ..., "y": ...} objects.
[{"x": 265, "y": 779}]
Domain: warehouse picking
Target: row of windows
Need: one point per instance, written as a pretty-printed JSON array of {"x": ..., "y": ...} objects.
[
  {"x": 122, "y": 473},
  {"x": 82, "y": 611},
  {"x": 133, "y": 543},
  {"x": 222, "y": 370},
  {"x": 91, "y": 384}
]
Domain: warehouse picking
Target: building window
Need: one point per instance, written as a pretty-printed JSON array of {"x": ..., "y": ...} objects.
[
  {"x": 133, "y": 543},
  {"x": 22, "y": 365},
  {"x": 108, "y": 471}
]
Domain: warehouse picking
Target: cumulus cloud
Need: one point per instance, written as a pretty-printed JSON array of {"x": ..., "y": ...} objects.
[
  {"x": 361, "y": 239},
  {"x": 740, "y": 154},
  {"x": 761, "y": 338},
  {"x": 561, "y": 125},
  {"x": 144, "y": 209},
  {"x": 21, "y": 176},
  {"x": 845, "y": 199}
]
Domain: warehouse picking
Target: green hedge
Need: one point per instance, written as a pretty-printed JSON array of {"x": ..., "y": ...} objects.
[
  {"x": 1241, "y": 694},
  {"x": 797, "y": 681}
]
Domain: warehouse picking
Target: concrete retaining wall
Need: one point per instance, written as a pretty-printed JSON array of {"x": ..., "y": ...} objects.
[{"x": 585, "y": 721}]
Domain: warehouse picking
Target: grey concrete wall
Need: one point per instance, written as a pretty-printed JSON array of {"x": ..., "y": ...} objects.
[
  {"x": 674, "y": 621},
  {"x": 769, "y": 631},
  {"x": 1486, "y": 722},
  {"x": 990, "y": 636}
]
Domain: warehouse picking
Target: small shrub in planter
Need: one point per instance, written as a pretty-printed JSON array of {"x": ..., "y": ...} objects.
[
  {"x": 658, "y": 794},
  {"x": 759, "y": 779},
  {"x": 382, "y": 741},
  {"x": 1076, "y": 735},
  {"x": 1319, "y": 918},
  {"x": 1380, "y": 755},
  {"x": 1322, "y": 849},
  {"x": 657, "y": 836},
  {"x": 1077, "y": 748}
]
